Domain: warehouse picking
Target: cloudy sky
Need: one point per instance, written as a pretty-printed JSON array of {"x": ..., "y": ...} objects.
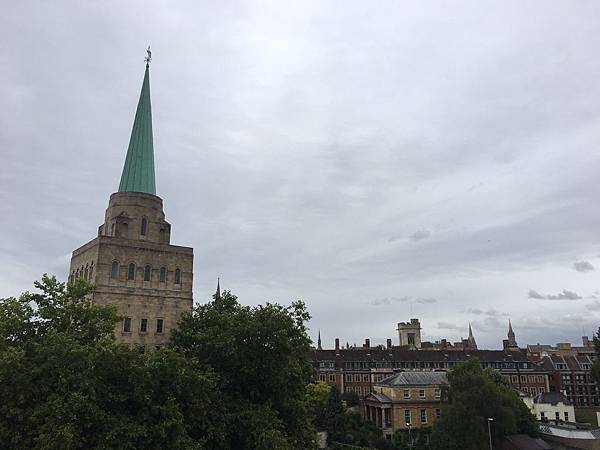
[{"x": 380, "y": 160}]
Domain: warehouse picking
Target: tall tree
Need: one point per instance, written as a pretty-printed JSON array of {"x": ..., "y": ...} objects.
[
  {"x": 474, "y": 396},
  {"x": 596, "y": 365},
  {"x": 65, "y": 383},
  {"x": 261, "y": 356}
]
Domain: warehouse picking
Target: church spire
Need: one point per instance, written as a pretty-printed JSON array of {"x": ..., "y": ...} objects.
[
  {"x": 138, "y": 171},
  {"x": 471, "y": 339},
  {"x": 218, "y": 293},
  {"x": 319, "y": 342}
]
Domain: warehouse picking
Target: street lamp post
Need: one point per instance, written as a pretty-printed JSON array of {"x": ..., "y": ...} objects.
[
  {"x": 409, "y": 435},
  {"x": 489, "y": 421}
]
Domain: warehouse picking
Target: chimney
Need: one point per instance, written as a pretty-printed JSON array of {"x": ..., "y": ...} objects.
[
  {"x": 337, "y": 345},
  {"x": 585, "y": 340},
  {"x": 389, "y": 344},
  {"x": 367, "y": 343}
]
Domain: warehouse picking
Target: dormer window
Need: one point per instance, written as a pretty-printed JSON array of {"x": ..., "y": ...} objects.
[
  {"x": 144, "y": 228},
  {"x": 177, "y": 276},
  {"x": 131, "y": 271}
]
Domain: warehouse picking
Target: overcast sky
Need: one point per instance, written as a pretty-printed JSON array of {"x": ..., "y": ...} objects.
[{"x": 380, "y": 160}]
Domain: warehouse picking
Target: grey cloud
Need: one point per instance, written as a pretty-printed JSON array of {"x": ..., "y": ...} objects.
[
  {"x": 489, "y": 312},
  {"x": 450, "y": 326},
  {"x": 583, "y": 266},
  {"x": 594, "y": 306},
  {"x": 391, "y": 300},
  {"x": 564, "y": 295},
  {"x": 419, "y": 235}
]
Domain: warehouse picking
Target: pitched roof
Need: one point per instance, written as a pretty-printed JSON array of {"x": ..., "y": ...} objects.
[
  {"x": 415, "y": 379},
  {"x": 551, "y": 398},
  {"x": 138, "y": 171}
]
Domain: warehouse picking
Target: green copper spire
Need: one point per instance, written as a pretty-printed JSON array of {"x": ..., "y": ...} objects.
[{"x": 138, "y": 172}]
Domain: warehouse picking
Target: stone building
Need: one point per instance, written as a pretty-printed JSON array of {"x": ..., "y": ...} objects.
[
  {"x": 359, "y": 369},
  {"x": 131, "y": 261},
  {"x": 409, "y": 333},
  {"x": 405, "y": 400}
]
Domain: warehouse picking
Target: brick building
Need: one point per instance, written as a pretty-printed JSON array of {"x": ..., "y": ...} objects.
[
  {"x": 572, "y": 376},
  {"x": 131, "y": 261},
  {"x": 359, "y": 369}
]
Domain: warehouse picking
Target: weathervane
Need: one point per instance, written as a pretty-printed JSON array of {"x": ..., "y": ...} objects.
[{"x": 148, "y": 58}]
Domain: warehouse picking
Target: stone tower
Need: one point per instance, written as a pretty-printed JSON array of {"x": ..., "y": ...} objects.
[
  {"x": 410, "y": 333},
  {"x": 132, "y": 262}
]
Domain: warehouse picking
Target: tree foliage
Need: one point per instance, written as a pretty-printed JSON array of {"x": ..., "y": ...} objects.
[
  {"x": 474, "y": 396},
  {"x": 65, "y": 383},
  {"x": 261, "y": 356},
  {"x": 596, "y": 365}
]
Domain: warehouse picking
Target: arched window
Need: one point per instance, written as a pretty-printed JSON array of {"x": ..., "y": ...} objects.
[
  {"x": 72, "y": 276},
  {"x": 147, "y": 273},
  {"x": 114, "y": 270},
  {"x": 177, "y": 276},
  {"x": 163, "y": 275},
  {"x": 162, "y": 235},
  {"x": 91, "y": 270},
  {"x": 85, "y": 276},
  {"x": 77, "y": 274},
  {"x": 144, "y": 226},
  {"x": 131, "y": 271}
]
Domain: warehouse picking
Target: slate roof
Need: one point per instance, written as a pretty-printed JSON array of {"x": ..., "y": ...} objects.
[
  {"x": 551, "y": 398},
  {"x": 415, "y": 379}
]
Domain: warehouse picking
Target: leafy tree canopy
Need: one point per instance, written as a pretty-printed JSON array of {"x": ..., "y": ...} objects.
[
  {"x": 65, "y": 383},
  {"x": 474, "y": 396},
  {"x": 261, "y": 356}
]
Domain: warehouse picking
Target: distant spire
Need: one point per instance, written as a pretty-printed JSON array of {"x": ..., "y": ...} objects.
[
  {"x": 471, "y": 339},
  {"x": 319, "y": 341},
  {"x": 512, "y": 342},
  {"x": 218, "y": 293},
  {"x": 138, "y": 171}
]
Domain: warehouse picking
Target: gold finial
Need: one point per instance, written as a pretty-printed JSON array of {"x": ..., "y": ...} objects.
[{"x": 148, "y": 58}]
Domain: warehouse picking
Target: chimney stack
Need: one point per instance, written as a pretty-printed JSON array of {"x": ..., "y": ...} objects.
[
  {"x": 389, "y": 344},
  {"x": 337, "y": 345},
  {"x": 367, "y": 343}
]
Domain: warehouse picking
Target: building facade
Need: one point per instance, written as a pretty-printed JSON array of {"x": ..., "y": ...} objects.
[
  {"x": 406, "y": 400},
  {"x": 572, "y": 376},
  {"x": 359, "y": 369},
  {"x": 131, "y": 261}
]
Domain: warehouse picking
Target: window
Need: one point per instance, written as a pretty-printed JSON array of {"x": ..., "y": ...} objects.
[
  {"x": 159, "y": 325},
  {"x": 438, "y": 393},
  {"x": 406, "y": 393},
  {"x": 131, "y": 271},
  {"x": 114, "y": 270},
  {"x": 557, "y": 416},
  {"x": 421, "y": 393},
  {"x": 147, "y": 273},
  {"x": 348, "y": 377},
  {"x": 162, "y": 235},
  {"x": 72, "y": 276},
  {"x": 438, "y": 413},
  {"x": 127, "y": 324},
  {"x": 91, "y": 270},
  {"x": 331, "y": 377},
  {"x": 85, "y": 276},
  {"x": 163, "y": 275},
  {"x": 407, "y": 416},
  {"x": 566, "y": 416},
  {"x": 322, "y": 377},
  {"x": 366, "y": 378},
  {"x": 143, "y": 325},
  {"x": 144, "y": 226},
  {"x": 177, "y": 276},
  {"x": 423, "y": 416},
  {"x": 411, "y": 338}
]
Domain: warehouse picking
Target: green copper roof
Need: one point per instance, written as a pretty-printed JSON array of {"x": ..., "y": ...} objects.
[{"x": 138, "y": 172}]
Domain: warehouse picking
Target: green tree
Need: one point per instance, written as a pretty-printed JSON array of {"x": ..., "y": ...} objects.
[
  {"x": 261, "y": 356},
  {"x": 474, "y": 396},
  {"x": 65, "y": 383}
]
